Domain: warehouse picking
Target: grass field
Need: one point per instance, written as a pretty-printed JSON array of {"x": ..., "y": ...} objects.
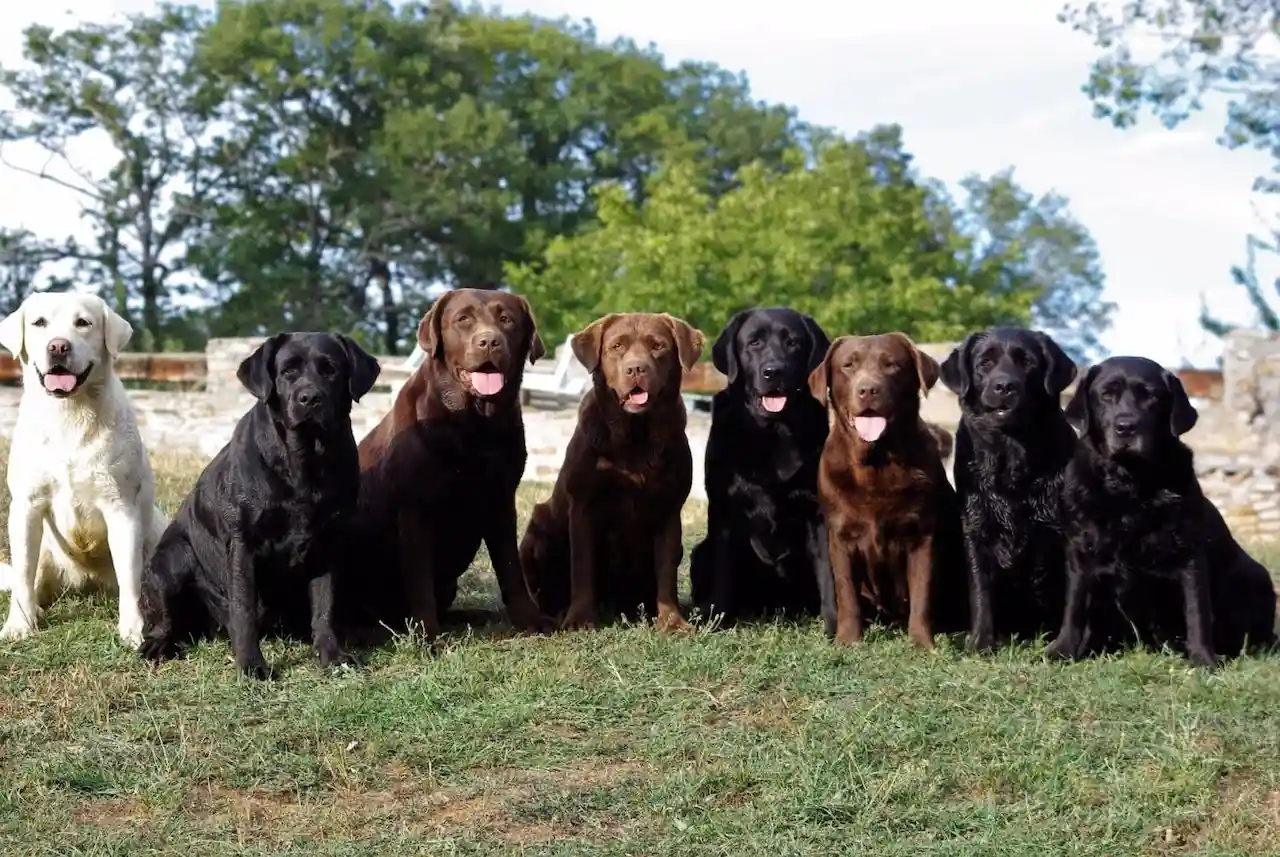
[{"x": 766, "y": 741}]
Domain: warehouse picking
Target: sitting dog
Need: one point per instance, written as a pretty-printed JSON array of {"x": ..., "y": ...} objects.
[
  {"x": 1011, "y": 449},
  {"x": 766, "y": 544},
  {"x": 83, "y": 494},
  {"x": 892, "y": 520},
  {"x": 440, "y": 472},
  {"x": 253, "y": 546},
  {"x": 610, "y": 534},
  {"x": 1143, "y": 537}
]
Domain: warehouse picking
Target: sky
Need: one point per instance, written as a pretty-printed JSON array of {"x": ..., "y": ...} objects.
[{"x": 977, "y": 86}]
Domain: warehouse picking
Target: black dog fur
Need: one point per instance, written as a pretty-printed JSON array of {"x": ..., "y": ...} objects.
[
  {"x": 249, "y": 549},
  {"x": 766, "y": 546},
  {"x": 1011, "y": 449},
  {"x": 1147, "y": 552}
]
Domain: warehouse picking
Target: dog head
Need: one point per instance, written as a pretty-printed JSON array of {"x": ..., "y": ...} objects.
[
  {"x": 309, "y": 380},
  {"x": 66, "y": 340},
  {"x": 768, "y": 354},
  {"x": 873, "y": 383},
  {"x": 1007, "y": 376},
  {"x": 482, "y": 338},
  {"x": 1130, "y": 408},
  {"x": 638, "y": 358}
]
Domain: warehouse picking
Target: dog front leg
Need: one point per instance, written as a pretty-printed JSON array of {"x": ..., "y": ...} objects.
[
  {"x": 417, "y": 570},
  {"x": 820, "y": 557},
  {"x": 582, "y": 570},
  {"x": 26, "y": 523},
  {"x": 666, "y": 562},
  {"x": 242, "y": 613},
  {"x": 982, "y": 634},
  {"x": 504, "y": 553},
  {"x": 919, "y": 586},
  {"x": 125, "y": 539},
  {"x": 324, "y": 640},
  {"x": 1199, "y": 613},
  {"x": 848, "y": 610},
  {"x": 722, "y": 582},
  {"x": 1071, "y": 635}
]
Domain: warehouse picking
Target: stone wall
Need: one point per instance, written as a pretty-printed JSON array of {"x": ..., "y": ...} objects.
[{"x": 1236, "y": 440}]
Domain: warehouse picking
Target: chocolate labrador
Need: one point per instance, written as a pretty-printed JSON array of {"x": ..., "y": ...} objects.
[
  {"x": 439, "y": 474},
  {"x": 253, "y": 545},
  {"x": 892, "y": 520},
  {"x": 1144, "y": 542},
  {"x": 610, "y": 535}
]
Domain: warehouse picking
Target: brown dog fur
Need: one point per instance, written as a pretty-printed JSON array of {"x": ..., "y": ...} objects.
[
  {"x": 610, "y": 534},
  {"x": 892, "y": 519},
  {"x": 439, "y": 473}
]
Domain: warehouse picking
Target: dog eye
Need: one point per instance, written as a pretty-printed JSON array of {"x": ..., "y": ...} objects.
[
  {"x": 617, "y": 346},
  {"x": 753, "y": 343},
  {"x": 659, "y": 346},
  {"x": 290, "y": 371},
  {"x": 986, "y": 363},
  {"x": 327, "y": 369},
  {"x": 40, "y": 322},
  {"x": 461, "y": 318},
  {"x": 505, "y": 319},
  {"x": 83, "y": 323}
]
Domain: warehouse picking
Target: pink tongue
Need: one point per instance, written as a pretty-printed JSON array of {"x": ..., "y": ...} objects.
[
  {"x": 64, "y": 382},
  {"x": 773, "y": 404},
  {"x": 870, "y": 428},
  {"x": 639, "y": 397},
  {"x": 487, "y": 383}
]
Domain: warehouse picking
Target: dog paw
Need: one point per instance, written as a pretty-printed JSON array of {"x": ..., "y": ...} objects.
[
  {"x": 331, "y": 657},
  {"x": 579, "y": 620},
  {"x": 17, "y": 629},
  {"x": 672, "y": 623},
  {"x": 157, "y": 648},
  {"x": 1061, "y": 649},
  {"x": 1204, "y": 658},
  {"x": 130, "y": 631},
  {"x": 257, "y": 669},
  {"x": 531, "y": 621}
]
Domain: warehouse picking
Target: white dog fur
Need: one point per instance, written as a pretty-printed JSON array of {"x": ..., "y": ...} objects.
[{"x": 83, "y": 494}]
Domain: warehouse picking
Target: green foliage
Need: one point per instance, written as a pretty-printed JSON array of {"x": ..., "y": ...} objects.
[
  {"x": 854, "y": 238},
  {"x": 1228, "y": 49},
  {"x": 305, "y": 164}
]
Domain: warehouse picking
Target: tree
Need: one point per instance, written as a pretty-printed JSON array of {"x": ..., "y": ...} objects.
[
  {"x": 1228, "y": 49},
  {"x": 25, "y": 263},
  {"x": 1246, "y": 277},
  {"x": 1036, "y": 244},
  {"x": 135, "y": 84},
  {"x": 851, "y": 236}
]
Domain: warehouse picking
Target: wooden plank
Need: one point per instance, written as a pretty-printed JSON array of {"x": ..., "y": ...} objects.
[
  {"x": 175, "y": 367},
  {"x": 1201, "y": 383}
]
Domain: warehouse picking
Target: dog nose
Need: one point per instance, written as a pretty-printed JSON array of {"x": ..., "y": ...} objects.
[
  {"x": 771, "y": 372},
  {"x": 868, "y": 390},
  {"x": 1004, "y": 386},
  {"x": 1125, "y": 425},
  {"x": 487, "y": 339},
  {"x": 635, "y": 369},
  {"x": 310, "y": 398},
  {"x": 59, "y": 347}
]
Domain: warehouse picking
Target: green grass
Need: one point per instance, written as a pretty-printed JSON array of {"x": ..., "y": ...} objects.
[{"x": 765, "y": 741}]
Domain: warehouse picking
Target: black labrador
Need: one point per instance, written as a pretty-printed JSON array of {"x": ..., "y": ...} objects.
[
  {"x": 250, "y": 549},
  {"x": 765, "y": 550},
  {"x": 1011, "y": 450},
  {"x": 1146, "y": 550}
]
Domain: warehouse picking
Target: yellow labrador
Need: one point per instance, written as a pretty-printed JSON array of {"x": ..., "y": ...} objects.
[{"x": 83, "y": 508}]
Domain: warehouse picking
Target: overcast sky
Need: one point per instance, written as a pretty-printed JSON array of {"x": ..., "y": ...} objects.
[{"x": 977, "y": 86}]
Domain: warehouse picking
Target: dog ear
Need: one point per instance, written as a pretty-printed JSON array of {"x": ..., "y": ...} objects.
[
  {"x": 1182, "y": 414},
  {"x": 689, "y": 340},
  {"x": 926, "y": 367},
  {"x": 1060, "y": 370},
  {"x": 536, "y": 349},
  {"x": 819, "y": 342},
  {"x": 956, "y": 372},
  {"x": 586, "y": 343},
  {"x": 820, "y": 377},
  {"x": 1079, "y": 412},
  {"x": 724, "y": 353},
  {"x": 430, "y": 335},
  {"x": 258, "y": 371},
  {"x": 115, "y": 330},
  {"x": 362, "y": 367},
  {"x": 13, "y": 332}
]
